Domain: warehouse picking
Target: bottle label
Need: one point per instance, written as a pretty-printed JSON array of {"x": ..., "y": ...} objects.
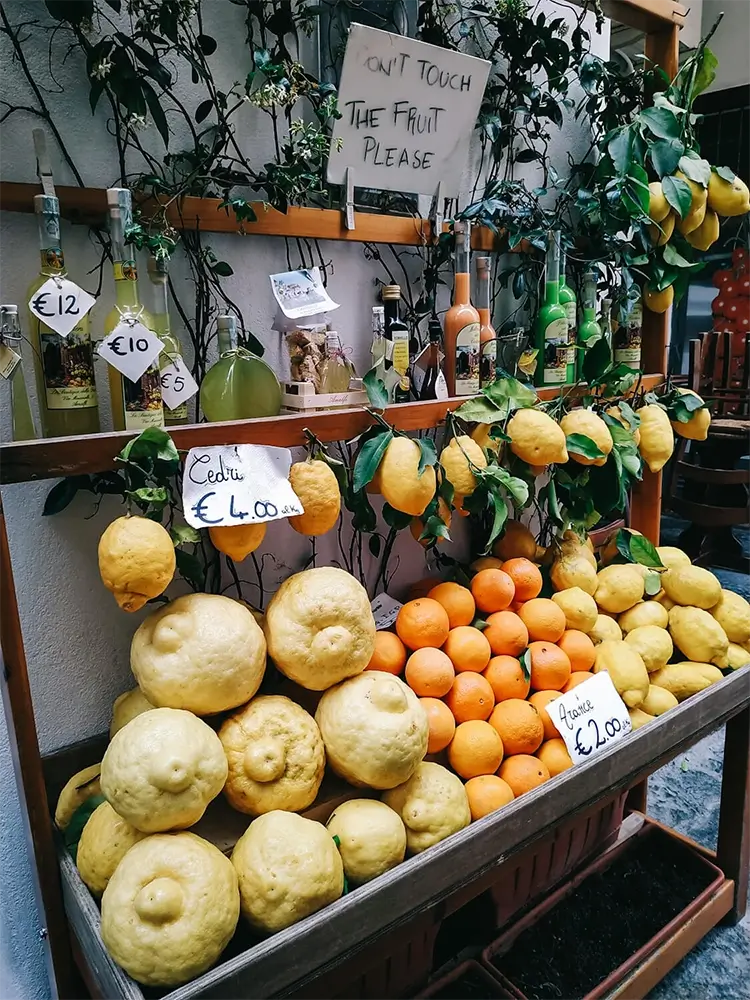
[
  {"x": 571, "y": 316},
  {"x": 467, "y": 360},
  {"x": 628, "y": 347},
  {"x": 142, "y": 401},
  {"x": 125, "y": 270},
  {"x": 400, "y": 355},
  {"x": 9, "y": 360},
  {"x": 68, "y": 368},
  {"x": 556, "y": 352},
  {"x": 52, "y": 259},
  {"x": 487, "y": 361}
]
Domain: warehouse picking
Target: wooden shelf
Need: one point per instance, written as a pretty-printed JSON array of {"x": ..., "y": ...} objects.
[
  {"x": 48, "y": 458},
  {"x": 644, "y": 15}
]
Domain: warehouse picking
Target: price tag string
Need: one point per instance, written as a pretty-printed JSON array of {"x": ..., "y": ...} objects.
[{"x": 130, "y": 317}]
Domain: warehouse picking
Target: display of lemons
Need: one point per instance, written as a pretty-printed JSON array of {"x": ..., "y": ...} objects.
[
  {"x": 578, "y": 606},
  {"x": 432, "y": 804},
  {"x": 517, "y": 542},
  {"x": 536, "y": 439},
  {"x": 696, "y": 429},
  {"x": 170, "y": 909},
  {"x": 460, "y": 460},
  {"x": 76, "y": 791},
  {"x": 652, "y": 643},
  {"x": 616, "y": 413},
  {"x": 590, "y": 425},
  {"x": 105, "y": 840},
  {"x": 672, "y": 557},
  {"x": 658, "y": 701},
  {"x": 374, "y": 729},
  {"x": 136, "y": 560},
  {"x": 626, "y": 668},
  {"x": 573, "y": 572},
  {"x": 732, "y": 612},
  {"x": 641, "y": 614},
  {"x": 737, "y": 656},
  {"x": 706, "y": 234},
  {"x": 619, "y": 587},
  {"x": 399, "y": 479},
  {"x": 686, "y": 679},
  {"x": 657, "y": 437},
  {"x": 658, "y": 206},
  {"x": 658, "y": 301},
  {"x": 320, "y": 628},
  {"x": 288, "y": 867},
  {"x": 238, "y": 540},
  {"x": 371, "y": 838},
  {"x": 698, "y": 636},
  {"x": 728, "y": 198},
  {"x": 203, "y": 652},
  {"x": 660, "y": 233},
  {"x": 691, "y": 586},
  {"x": 317, "y": 488},
  {"x": 275, "y": 756},
  {"x": 605, "y": 628},
  {"x": 162, "y": 769},
  {"x": 126, "y": 707}
]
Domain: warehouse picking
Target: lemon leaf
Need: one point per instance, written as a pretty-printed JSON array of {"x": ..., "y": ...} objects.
[
  {"x": 480, "y": 410},
  {"x": 581, "y": 444},
  {"x": 369, "y": 459},
  {"x": 644, "y": 552},
  {"x": 525, "y": 661},
  {"x": 652, "y": 584},
  {"x": 377, "y": 393},
  {"x": 427, "y": 454},
  {"x": 678, "y": 194}
]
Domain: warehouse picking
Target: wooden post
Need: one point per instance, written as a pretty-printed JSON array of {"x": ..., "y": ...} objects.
[{"x": 733, "y": 850}]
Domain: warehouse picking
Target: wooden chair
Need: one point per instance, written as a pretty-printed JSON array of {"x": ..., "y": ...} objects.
[{"x": 705, "y": 486}]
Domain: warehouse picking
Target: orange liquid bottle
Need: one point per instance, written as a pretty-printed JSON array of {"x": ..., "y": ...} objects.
[{"x": 461, "y": 326}]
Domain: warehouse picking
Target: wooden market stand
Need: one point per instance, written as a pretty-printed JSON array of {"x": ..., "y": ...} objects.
[{"x": 362, "y": 927}]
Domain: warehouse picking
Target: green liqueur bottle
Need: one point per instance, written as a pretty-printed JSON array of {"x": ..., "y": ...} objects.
[
  {"x": 552, "y": 323},
  {"x": 569, "y": 304},
  {"x": 589, "y": 330},
  {"x": 12, "y": 368},
  {"x": 240, "y": 385},
  {"x": 627, "y": 339}
]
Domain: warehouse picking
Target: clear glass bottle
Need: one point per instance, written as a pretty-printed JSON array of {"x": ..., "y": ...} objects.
[
  {"x": 64, "y": 366},
  {"x": 135, "y": 405},
  {"x": 487, "y": 335},
  {"x": 240, "y": 385},
  {"x": 589, "y": 330},
  {"x": 461, "y": 324},
  {"x": 433, "y": 383},
  {"x": 10, "y": 336},
  {"x": 569, "y": 304},
  {"x": 627, "y": 338},
  {"x": 552, "y": 323},
  {"x": 158, "y": 273},
  {"x": 397, "y": 333}
]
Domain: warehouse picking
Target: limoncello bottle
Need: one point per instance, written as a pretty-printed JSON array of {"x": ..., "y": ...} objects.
[
  {"x": 158, "y": 273},
  {"x": 240, "y": 385},
  {"x": 11, "y": 367},
  {"x": 64, "y": 366}
]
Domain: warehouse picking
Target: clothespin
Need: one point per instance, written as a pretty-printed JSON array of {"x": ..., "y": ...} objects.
[{"x": 43, "y": 166}]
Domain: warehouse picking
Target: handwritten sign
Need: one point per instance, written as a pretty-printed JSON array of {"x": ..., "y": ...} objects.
[
  {"x": 590, "y": 717},
  {"x": 131, "y": 348},
  {"x": 237, "y": 484},
  {"x": 177, "y": 383},
  {"x": 385, "y": 610},
  {"x": 60, "y": 304},
  {"x": 408, "y": 112}
]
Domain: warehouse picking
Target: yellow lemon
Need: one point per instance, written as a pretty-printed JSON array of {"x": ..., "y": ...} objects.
[
  {"x": 653, "y": 643},
  {"x": 399, "y": 479},
  {"x": 706, "y": 234},
  {"x": 460, "y": 460},
  {"x": 432, "y": 804},
  {"x": 238, "y": 540},
  {"x": 660, "y": 233},
  {"x": 618, "y": 588},
  {"x": 658, "y": 700},
  {"x": 698, "y": 636},
  {"x": 481, "y": 434},
  {"x": 136, "y": 560},
  {"x": 371, "y": 838},
  {"x": 126, "y": 707},
  {"x": 732, "y": 612},
  {"x": 517, "y": 541},
  {"x": 316, "y": 485},
  {"x": 657, "y": 437},
  {"x": 696, "y": 429},
  {"x": 626, "y": 668},
  {"x": 697, "y": 210},
  {"x": 579, "y": 608},
  {"x": 82, "y": 786},
  {"x": 105, "y": 840},
  {"x": 536, "y": 439},
  {"x": 658, "y": 301},
  {"x": 728, "y": 198},
  {"x": 692, "y": 586},
  {"x": 658, "y": 206},
  {"x": 591, "y": 425},
  {"x": 604, "y": 628}
]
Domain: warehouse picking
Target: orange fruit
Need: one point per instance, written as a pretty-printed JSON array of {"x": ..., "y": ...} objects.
[
  {"x": 475, "y": 749},
  {"x": 550, "y": 666},
  {"x": 580, "y": 649},
  {"x": 523, "y": 773},
  {"x": 493, "y": 590},
  {"x": 554, "y": 754},
  {"x": 442, "y": 724},
  {"x": 470, "y": 697},
  {"x": 519, "y": 725},
  {"x": 422, "y": 623},
  {"x": 525, "y": 576},
  {"x": 540, "y": 700},
  {"x": 507, "y": 634},
  {"x": 457, "y": 601},
  {"x": 467, "y": 648},
  {"x": 542, "y": 617},
  {"x": 389, "y": 654},
  {"x": 507, "y": 678},
  {"x": 486, "y": 793},
  {"x": 429, "y": 673},
  {"x": 576, "y": 678}
]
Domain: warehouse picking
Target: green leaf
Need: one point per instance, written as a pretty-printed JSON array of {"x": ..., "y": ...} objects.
[
  {"x": 395, "y": 518},
  {"x": 480, "y": 623},
  {"x": 581, "y": 444},
  {"x": 153, "y": 444},
  {"x": 596, "y": 361},
  {"x": 652, "y": 584},
  {"x": 726, "y": 174},
  {"x": 149, "y": 494},
  {"x": 631, "y": 462},
  {"x": 495, "y": 475},
  {"x": 525, "y": 661},
  {"x": 338, "y": 468},
  {"x": 369, "y": 458},
  {"x": 79, "y": 819},
  {"x": 665, "y": 155},
  {"x": 619, "y": 149},
  {"x": 509, "y": 394},
  {"x": 190, "y": 568},
  {"x": 678, "y": 194},
  {"x": 480, "y": 410},
  {"x": 548, "y": 497},
  {"x": 435, "y": 528},
  {"x": 623, "y": 544},
  {"x": 661, "y": 122},
  {"x": 183, "y": 534},
  {"x": 377, "y": 393},
  {"x": 373, "y": 545},
  {"x": 705, "y": 73},
  {"x": 364, "y": 518},
  {"x": 500, "y": 508},
  {"x": 673, "y": 257},
  {"x": 223, "y": 269},
  {"x": 62, "y": 493},
  {"x": 644, "y": 552},
  {"x": 427, "y": 454},
  {"x": 695, "y": 168},
  {"x": 157, "y": 112},
  {"x": 446, "y": 489}
]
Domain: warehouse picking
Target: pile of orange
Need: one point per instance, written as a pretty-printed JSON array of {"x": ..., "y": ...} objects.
[{"x": 460, "y": 649}]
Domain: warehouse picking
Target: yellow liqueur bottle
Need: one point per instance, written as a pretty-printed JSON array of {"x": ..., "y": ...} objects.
[
  {"x": 158, "y": 273},
  {"x": 240, "y": 385},
  {"x": 11, "y": 368},
  {"x": 135, "y": 405},
  {"x": 64, "y": 366}
]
